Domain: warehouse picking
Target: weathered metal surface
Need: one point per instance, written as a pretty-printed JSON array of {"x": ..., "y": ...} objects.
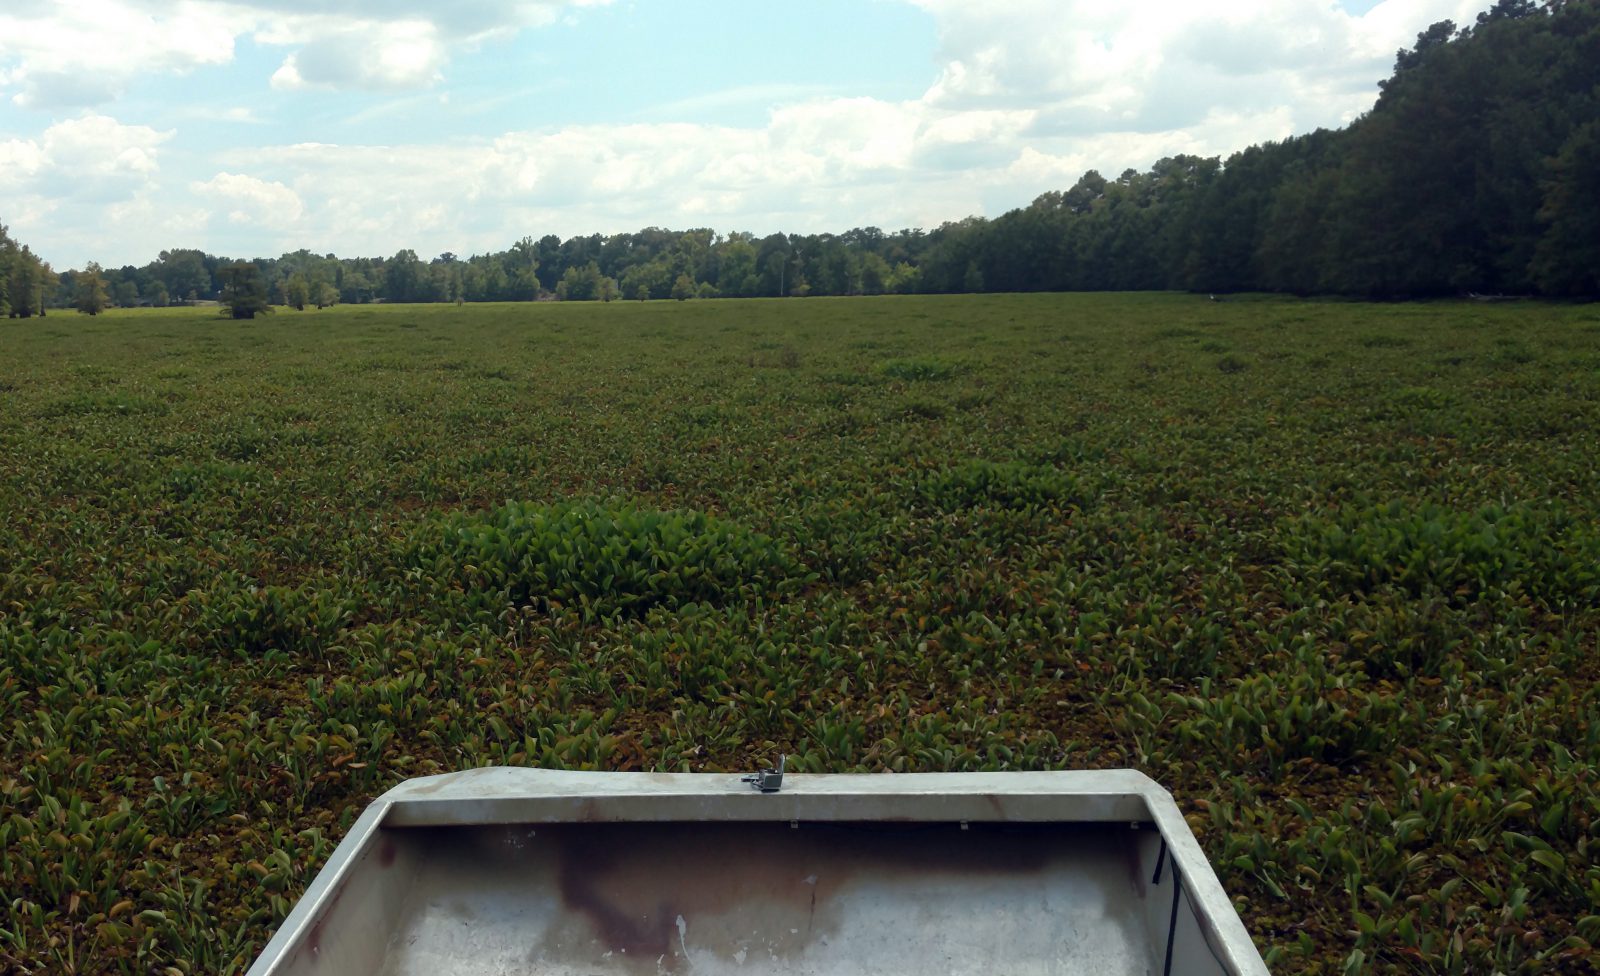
[
  {"x": 538, "y": 872},
  {"x": 509, "y": 795}
]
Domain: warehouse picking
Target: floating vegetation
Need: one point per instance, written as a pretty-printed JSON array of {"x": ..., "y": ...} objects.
[
  {"x": 609, "y": 558},
  {"x": 1013, "y": 484},
  {"x": 920, "y": 369},
  {"x": 1343, "y": 602},
  {"x": 1430, "y": 552}
]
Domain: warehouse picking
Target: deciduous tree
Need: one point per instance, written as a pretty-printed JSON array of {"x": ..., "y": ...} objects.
[
  {"x": 296, "y": 292},
  {"x": 92, "y": 298},
  {"x": 524, "y": 271}
]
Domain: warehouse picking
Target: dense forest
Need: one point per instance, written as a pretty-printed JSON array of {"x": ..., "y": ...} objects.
[{"x": 1477, "y": 171}]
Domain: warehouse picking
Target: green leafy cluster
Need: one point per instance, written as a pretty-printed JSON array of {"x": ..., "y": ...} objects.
[
  {"x": 1428, "y": 550},
  {"x": 1009, "y": 484},
  {"x": 240, "y": 617},
  {"x": 1316, "y": 713},
  {"x": 611, "y": 558},
  {"x": 1423, "y": 398}
]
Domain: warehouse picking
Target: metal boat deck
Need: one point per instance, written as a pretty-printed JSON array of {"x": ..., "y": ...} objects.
[{"x": 520, "y": 871}]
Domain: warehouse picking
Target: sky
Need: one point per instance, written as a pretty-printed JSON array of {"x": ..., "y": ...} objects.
[{"x": 361, "y": 127}]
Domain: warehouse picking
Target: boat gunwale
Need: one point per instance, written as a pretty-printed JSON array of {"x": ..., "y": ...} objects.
[{"x": 506, "y": 795}]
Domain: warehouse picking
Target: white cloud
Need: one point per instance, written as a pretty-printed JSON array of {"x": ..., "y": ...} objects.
[
  {"x": 387, "y": 56},
  {"x": 70, "y": 188},
  {"x": 253, "y": 201},
  {"x": 845, "y": 137},
  {"x": 90, "y": 156},
  {"x": 296, "y": 21},
  {"x": 21, "y": 161},
  {"x": 63, "y": 55},
  {"x": 387, "y": 45},
  {"x": 1108, "y": 65}
]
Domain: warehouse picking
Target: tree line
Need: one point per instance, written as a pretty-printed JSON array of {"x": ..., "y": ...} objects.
[
  {"x": 1477, "y": 171},
  {"x": 653, "y": 263}
]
